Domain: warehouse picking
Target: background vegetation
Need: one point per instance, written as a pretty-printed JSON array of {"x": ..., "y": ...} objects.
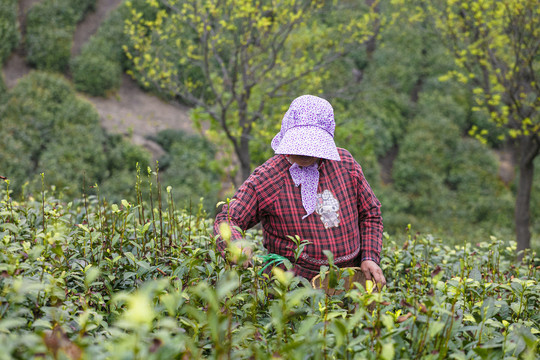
[
  {"x": 50, "y": 25},
  {"x": 9, "y": 31},
  {"x": 409, "y": 130}
]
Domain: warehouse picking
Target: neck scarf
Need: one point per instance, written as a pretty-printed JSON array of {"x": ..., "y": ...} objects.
[{"x": 308, "y": 177}]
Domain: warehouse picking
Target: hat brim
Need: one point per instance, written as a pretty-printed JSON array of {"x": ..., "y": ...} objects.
[{"x": 308, "y": 141}]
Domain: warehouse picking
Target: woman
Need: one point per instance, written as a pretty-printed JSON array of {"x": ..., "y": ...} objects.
[{"x": 312, "y": 189}]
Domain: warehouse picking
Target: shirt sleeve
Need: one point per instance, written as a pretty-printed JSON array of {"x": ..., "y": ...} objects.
[
  {"x": 241, "y": 213},
  {"x": 369, "y": 219}
]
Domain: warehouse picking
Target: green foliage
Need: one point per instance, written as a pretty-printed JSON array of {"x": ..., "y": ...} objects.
[
  {"x": 49, "y": 32},
  {"x": 29, "y": 117},
  {"x": 122, "y": 160},
  {"x": 9, "y": 29},
  {"x": 94, "y": 73},
  {"x": 405, "y": 60},
  {"x": 495, "y": 48},
  {"x": 355, "y": 134},
  {"x": 125, "y": 280},
  {"x": 52, "y": 12},
  {"x": 50, "y": 130},
  {"x": 230, "y": 58},
  {"x": 82, "y": 7},
  {"x": 422, "y": 165},
  {"x": 535, "y": 199},
  {"x": 445, "y": 177},
  {"x": 190, "y": 167},
  {"x": 417, "y": 127},
  {"x": 3, "y": 89},
  {"x": 388, "y": 100},
  {"x": 50, "y": 25},
  {"x": 15, "y": 160},
  {"x": 49, "y": 48},
  {"x": 99, "y": 66},
  {"x": 75, "y": 157},
  {"x": 122, "y": 154}
]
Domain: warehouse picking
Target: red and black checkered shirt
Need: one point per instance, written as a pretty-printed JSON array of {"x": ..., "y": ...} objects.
[{"x": 269, "y": 196}]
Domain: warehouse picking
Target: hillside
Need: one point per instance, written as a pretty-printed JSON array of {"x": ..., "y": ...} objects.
[
  {"x": 133, "y": 111},
  {"x": 128, "y": 111}
]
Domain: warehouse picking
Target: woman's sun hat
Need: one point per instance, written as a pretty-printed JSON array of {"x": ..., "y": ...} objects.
[{"x": 307, "y": 129}]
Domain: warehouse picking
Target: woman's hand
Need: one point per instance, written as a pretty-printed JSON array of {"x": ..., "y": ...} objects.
[{"x": 373, "y": 272}]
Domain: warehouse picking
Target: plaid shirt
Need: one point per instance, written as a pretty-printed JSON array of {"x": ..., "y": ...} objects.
[{"x": 270, "y": 197}]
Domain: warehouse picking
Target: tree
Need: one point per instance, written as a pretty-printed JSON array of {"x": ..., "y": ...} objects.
[
  {"x": 495, "y": 45},
  {"x": 231, "y": 58}
]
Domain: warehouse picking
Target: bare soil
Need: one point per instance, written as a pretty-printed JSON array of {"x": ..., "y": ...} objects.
[
  {"x": 91, "y": 22},
  {"x": 134, "y": 112}
]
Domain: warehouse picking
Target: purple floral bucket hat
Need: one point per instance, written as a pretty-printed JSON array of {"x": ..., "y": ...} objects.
[{"x": 307, "y": 129}]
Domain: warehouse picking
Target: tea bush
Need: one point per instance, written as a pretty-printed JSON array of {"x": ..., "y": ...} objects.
[
  {"x": 122, "y": 159},
  {"x": 52, "y": 131},
  {"x": 49, "y": 129},
  {"x": 189, "y": 165},
  {"x": 9, "y": 29},
  {"x": 98, "y": 68},
  {"x": 442, "y": 176},
  {"x": 3, "y": 89},
  {"x": 50, "y": 25},
  {"x": 82, "y": 7},
  {"x": 91, "y": 279},
  {"x": 49, "y": 48},
  {"x": 95, "y": 74},
  {"x": 100, "y": 65}
]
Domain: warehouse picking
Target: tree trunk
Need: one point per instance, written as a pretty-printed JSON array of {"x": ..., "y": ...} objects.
[
  {"x": 528, "y": 151},
  {"x": 244, "y": 157}
]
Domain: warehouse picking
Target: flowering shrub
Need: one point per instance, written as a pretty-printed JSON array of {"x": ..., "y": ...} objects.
[{"x": 89, "y": 279}]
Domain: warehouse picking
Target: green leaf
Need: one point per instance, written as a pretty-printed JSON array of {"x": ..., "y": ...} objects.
[
  {"x": 515, "y": 307},
  {"x": 340, "y": 331},
  {"x": 91, "y": 274},
  {"x": 435, "y": 328},
  {"x": 11, "y": 323},
  {"x": 388, "y": 352},
  {"x": 226, "y": 286},
  {"x": 11, "y": 227},
  {"x": 42, "y": 324},
  {"x": 517, "y": 287},
  {"x": 475, "y": 274},
  {"x": 330, "y": 257},
  {"x": 58, "y": 250},
  {"x": 131, "y": 257},
  {"x": 332, "y": 278}
]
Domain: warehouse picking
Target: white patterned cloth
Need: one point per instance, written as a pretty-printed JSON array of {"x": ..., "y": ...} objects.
[{"x": 307, "y": 129}]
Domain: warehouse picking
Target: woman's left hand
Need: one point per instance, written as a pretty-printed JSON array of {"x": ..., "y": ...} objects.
[{"x": 373, "y": 272}]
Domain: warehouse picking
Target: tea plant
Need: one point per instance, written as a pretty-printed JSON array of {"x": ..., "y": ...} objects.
[{"x": 87, "y": 279}]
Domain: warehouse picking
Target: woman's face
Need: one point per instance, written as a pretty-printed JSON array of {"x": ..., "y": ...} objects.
[{"x": 302, "y": 160}]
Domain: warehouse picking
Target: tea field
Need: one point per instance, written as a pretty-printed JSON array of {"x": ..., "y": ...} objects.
[{"x": 88, "y": 279}]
